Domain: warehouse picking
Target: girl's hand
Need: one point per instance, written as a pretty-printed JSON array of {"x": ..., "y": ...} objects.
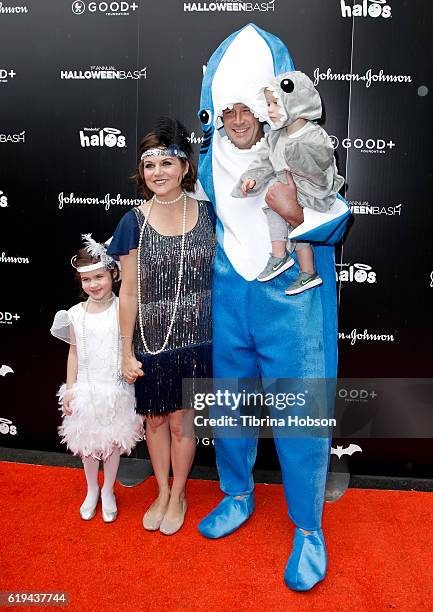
[
  {"x": 67, "y": 402},
  {"x": 131, "y": 369},
  {"x": 247, "y": 185}
]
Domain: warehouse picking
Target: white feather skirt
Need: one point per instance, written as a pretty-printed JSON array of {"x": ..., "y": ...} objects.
[{"x": 102, "y": 419}]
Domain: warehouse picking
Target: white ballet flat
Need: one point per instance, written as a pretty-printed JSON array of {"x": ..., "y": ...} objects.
[
  {"x": 109, "y": 516},
  {"x": 88, "y": 512}
]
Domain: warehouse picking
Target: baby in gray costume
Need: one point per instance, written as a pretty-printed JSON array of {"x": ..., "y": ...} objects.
[{"x": 297, "y": 145}]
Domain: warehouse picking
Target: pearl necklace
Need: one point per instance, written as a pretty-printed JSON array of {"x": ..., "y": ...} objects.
[
  {"x": 179, "y": 278},
  {"x": 168, "y": 201},
  {"x": 90, "y": 299},
  {"x": 117, "y": 375}
]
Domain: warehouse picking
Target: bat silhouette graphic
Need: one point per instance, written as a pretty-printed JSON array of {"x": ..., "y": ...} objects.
[
  {"x": 5, "y": 370},
  {"x": 349, "y": 450}
]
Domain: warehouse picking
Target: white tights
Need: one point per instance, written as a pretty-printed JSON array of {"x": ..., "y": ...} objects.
[{"x": 91, "y": 467}]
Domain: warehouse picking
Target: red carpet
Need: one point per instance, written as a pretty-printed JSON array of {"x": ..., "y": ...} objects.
[{"x": 380, "y": 545}]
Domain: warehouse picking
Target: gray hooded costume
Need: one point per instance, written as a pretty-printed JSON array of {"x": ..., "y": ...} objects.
[{"x": 308, "y": 153}]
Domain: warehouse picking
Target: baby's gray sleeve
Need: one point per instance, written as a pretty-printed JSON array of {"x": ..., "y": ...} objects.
[{"x": 260, "y": 170}]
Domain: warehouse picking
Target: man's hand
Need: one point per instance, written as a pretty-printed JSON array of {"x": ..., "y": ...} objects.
[{"x": 283, "y": 200}]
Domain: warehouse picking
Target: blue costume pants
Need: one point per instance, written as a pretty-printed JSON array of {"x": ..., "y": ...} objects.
[{"x": 260, "y": 332}]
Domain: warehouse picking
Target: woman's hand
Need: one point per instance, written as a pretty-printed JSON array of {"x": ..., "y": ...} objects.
[
  {"x": 67, "y": 402},
  {"x": 131, "y": 369}
]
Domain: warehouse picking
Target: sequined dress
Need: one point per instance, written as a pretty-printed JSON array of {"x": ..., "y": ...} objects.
[{"x": 188, "y": 352}]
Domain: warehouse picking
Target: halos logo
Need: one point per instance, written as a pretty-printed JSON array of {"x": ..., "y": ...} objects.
[
  {"x": 358, "y": 273},
  {"x": 21, "y": 137},
  {"x": 368, "y": 77},
  {"x": 368, "y": 8},
  {"x": 226, "y": 5},
  {"x": 354, "y": 336},
  {"x": 359, "y": 207},
  {"x": 12, "y": 9},
  {"x": 3, "y": 200},
  {"x": 105, "y": 137},
  {"x": 5, "y": 75},
  {"x": 7, "y": 427},
  {"x": 365, "y": 145},
  {"x": 107, "y": 201},
  {"x": 7, "y": 318},
  {"x": 13, "y": 259},
  {"x": 112, "y": 9},
  {"x": 102, "y": 73}
]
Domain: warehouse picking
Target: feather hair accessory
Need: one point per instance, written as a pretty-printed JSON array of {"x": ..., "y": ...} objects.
[
  {"x": 96, "y": 250},
  {"x": 173, "y": 135}
]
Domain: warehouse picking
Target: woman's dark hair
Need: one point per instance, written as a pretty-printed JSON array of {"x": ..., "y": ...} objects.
[
  {"x": 83, "y": 258},
  {"x": 167, "y": 132}
]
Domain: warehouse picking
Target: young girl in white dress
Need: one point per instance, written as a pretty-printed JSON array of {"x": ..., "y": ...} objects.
[{"x": 99, "y": 418}]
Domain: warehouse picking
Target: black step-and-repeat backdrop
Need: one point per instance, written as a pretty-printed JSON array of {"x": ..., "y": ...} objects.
[{"x": 81, "y": 81}]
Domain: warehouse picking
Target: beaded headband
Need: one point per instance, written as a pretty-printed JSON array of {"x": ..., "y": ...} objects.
[
  {"x": 170, "y": 151},
  {"x": 95, "y": 249}
]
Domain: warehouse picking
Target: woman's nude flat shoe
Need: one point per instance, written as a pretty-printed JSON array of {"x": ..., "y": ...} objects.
[
  {"x": 152, "y": 519},
  {"x": 169, "y": 527}
]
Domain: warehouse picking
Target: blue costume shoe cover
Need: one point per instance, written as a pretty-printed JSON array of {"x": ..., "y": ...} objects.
[
  {"x": 228, "y": 516},
  {"x": 307, "y": 563}
]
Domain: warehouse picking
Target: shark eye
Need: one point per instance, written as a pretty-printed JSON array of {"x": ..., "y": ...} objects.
[
  {"x": 287, "y": 85},
  {"x": 205, "y": 116}
]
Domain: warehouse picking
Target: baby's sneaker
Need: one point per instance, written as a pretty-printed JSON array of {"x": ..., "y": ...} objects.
[
  {"x": 275, "y": 266},
  {"x": 303, "y": 282}
]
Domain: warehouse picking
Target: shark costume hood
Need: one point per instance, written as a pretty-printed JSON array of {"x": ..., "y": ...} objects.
[
  {"x": 238, "y": 71},
  {"x": 297, "y": 98}
]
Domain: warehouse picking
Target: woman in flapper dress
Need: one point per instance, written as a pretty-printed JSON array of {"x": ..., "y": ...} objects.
[{"x": 166, "y": 248}]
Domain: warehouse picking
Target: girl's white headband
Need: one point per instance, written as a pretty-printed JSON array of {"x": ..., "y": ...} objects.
[
  {"x": 95, "y": 249},
  {"x": 88, "y": 268}
]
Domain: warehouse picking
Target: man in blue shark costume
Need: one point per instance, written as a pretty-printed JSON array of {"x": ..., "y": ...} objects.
[{"x": 258, "y": 331}]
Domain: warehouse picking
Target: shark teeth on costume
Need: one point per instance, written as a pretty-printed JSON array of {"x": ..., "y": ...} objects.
[
  {"x": 234, "y": 81},
  {"x": 219, "y": 115},
  {"x": 258, "y": 144}
]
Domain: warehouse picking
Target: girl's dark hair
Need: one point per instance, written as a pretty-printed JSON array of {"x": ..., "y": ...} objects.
[
  {"x": 83, "y": 258},
  {"x": 167, "y": 132}
]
